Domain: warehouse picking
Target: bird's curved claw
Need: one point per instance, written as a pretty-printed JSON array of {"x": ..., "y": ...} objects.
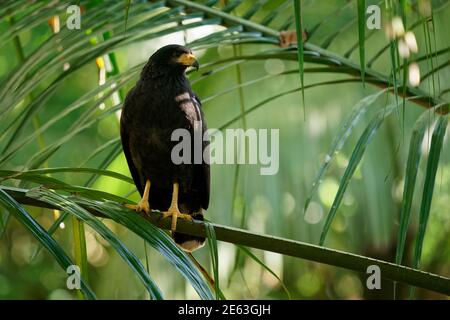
[
  {"x": 142, "y": 205},
  {"x": 175, "y": 214}
]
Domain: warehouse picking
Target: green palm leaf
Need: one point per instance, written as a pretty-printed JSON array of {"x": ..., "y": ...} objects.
[
  {"x": 65, "y": 204},
  {"x": 42, "y": 236}
]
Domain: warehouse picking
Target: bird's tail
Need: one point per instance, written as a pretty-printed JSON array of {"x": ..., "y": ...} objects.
[{"x": 187, "y": 242}]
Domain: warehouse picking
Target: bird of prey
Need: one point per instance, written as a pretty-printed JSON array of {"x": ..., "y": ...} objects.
[{"x": 161, "y": 102}]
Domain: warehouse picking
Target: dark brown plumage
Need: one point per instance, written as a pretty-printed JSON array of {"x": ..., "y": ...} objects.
[{"x": 161, "y": 102}]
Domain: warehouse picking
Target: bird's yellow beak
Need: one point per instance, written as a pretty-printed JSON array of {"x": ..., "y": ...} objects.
[{"x": 188, "y": 59}]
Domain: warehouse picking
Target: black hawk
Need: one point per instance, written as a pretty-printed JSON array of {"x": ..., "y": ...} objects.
[{"x": 161, "y": 102}]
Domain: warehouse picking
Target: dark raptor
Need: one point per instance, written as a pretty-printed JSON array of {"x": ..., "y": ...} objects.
[{"x": 161, "y": 102}]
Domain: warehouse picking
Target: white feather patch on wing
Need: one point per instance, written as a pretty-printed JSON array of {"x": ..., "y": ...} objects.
[{"x": 183, "y": 96}]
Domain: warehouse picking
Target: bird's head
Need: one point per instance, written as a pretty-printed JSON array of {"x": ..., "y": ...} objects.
[{"x": 173, "y": 58}]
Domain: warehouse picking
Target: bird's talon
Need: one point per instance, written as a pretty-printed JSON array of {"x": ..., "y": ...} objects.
[
  {"x": 141, "y": 206},
  {"x": 174, "y": 213},
  {"x": 165, "y": 214},
  {"x": 131, "y": 206},
  {"x": 185, "y": 216}
]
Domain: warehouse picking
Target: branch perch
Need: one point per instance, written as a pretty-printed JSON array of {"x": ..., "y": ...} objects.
[{"x": 279, "y": 245}]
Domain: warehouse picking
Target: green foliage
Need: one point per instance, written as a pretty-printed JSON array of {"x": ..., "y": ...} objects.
[
  {"x": 299, "y": 30},
  {"x": 59, "y": 135},
  {"x": 362, "y": 36},
  {"x": 42, "y": 236},
  {"x": 212, "y": 243}
]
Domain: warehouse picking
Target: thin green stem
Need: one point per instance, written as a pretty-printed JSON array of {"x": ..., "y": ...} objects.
[
  {"x": 79, "y": 246},
  {"x": 235, "y": 196}
]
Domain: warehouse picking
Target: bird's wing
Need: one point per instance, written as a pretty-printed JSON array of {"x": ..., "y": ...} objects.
[
  {"x": 203, "y": 170},
  {"x": 126, "y": 147}
]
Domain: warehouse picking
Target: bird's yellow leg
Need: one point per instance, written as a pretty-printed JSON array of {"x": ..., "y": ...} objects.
[
  {"x": 173, "y": 210},
  {"x": 143, "y": 204}
]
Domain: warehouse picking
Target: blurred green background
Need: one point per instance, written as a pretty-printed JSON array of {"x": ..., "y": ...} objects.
[{"x": 366, "y": 222}]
